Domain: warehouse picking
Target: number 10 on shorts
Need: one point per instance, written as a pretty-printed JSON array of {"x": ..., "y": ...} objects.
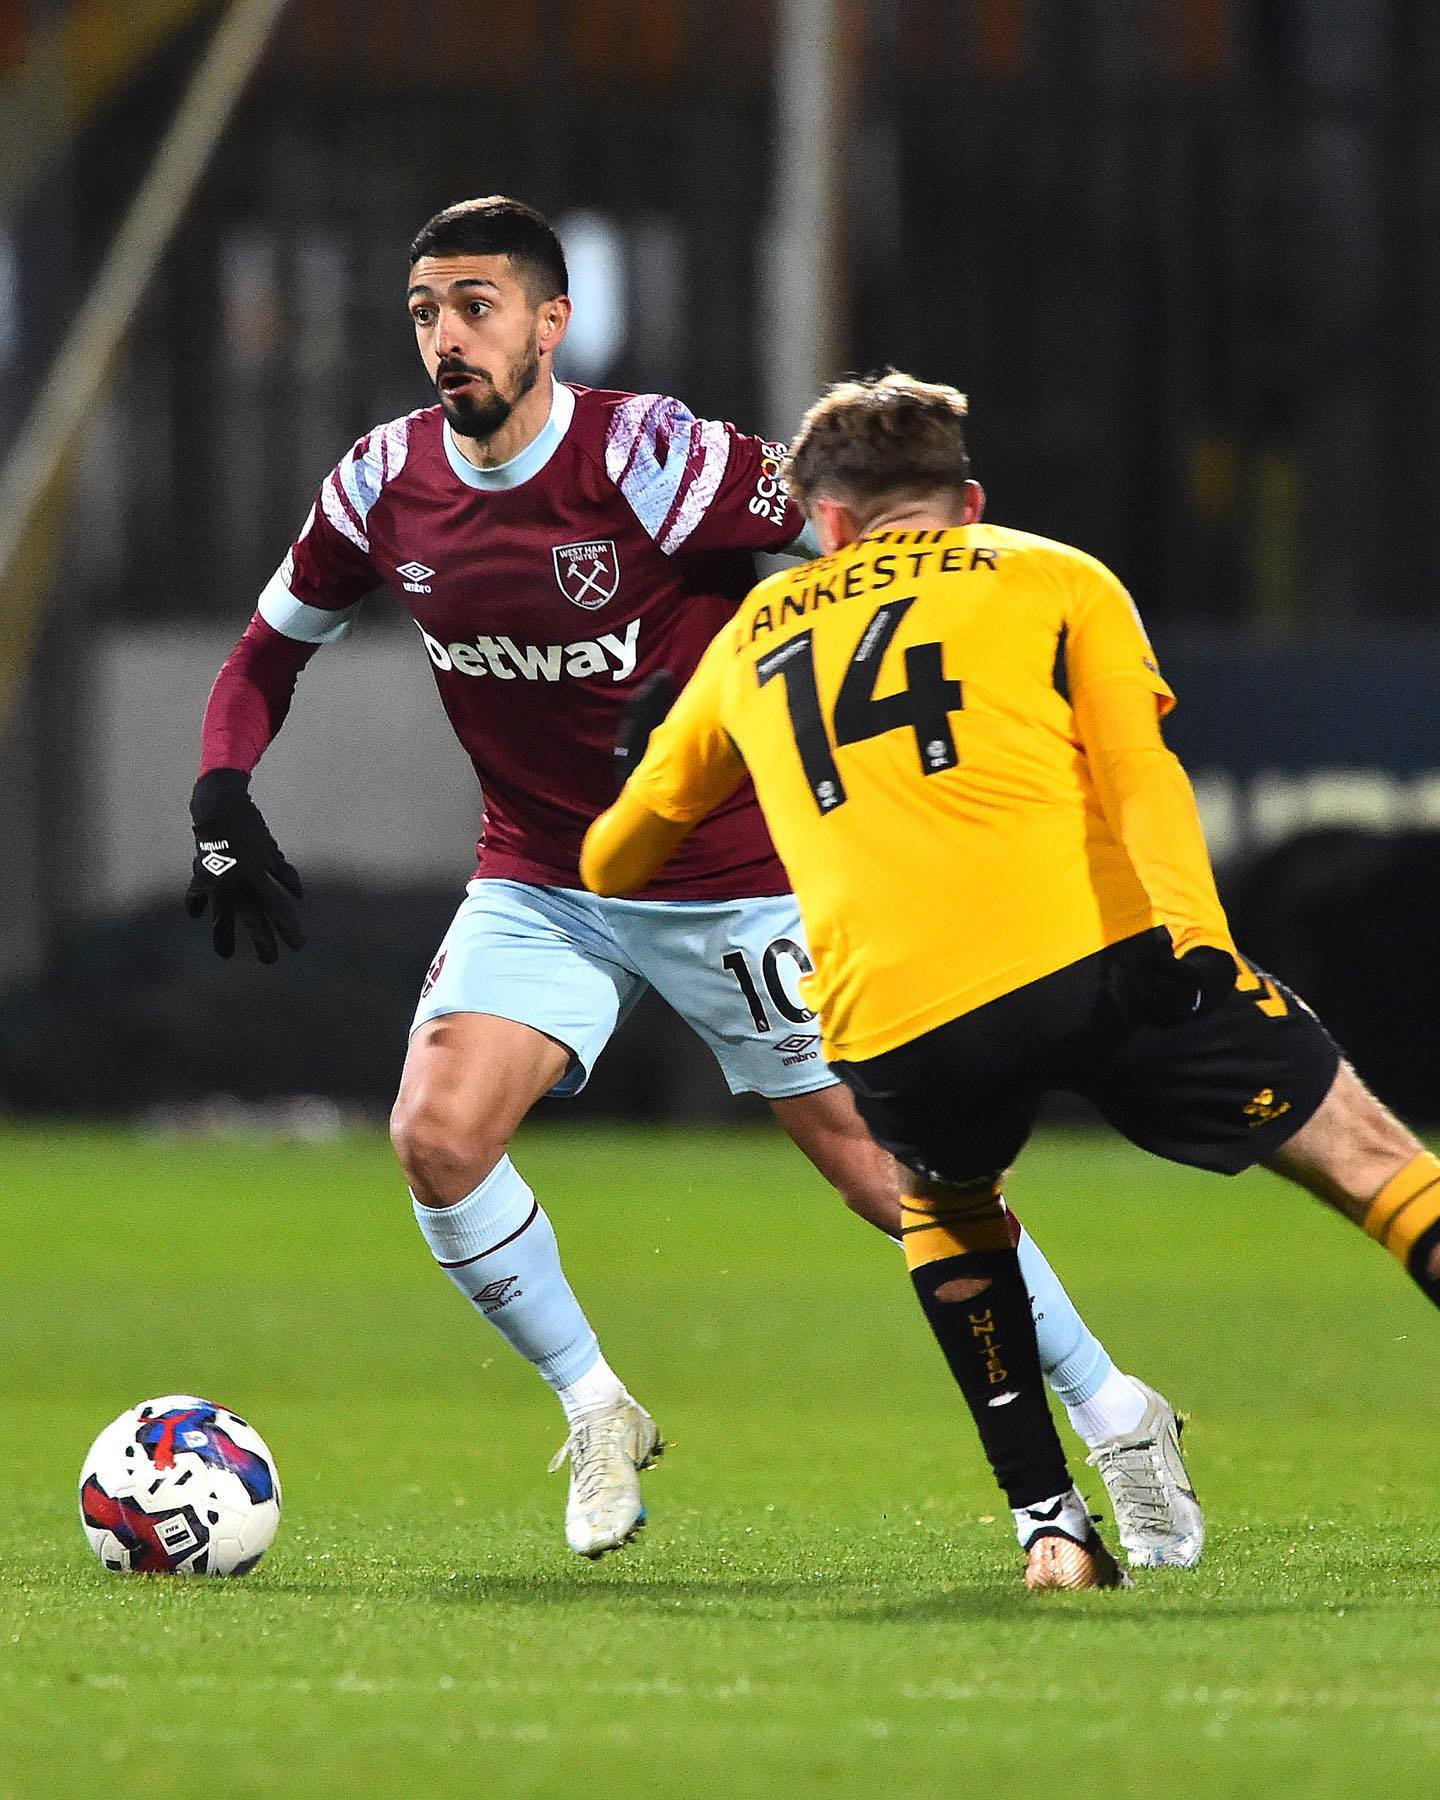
[{"x": 738, "y": 964}]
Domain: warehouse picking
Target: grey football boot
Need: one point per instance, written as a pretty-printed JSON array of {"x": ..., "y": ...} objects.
[
  {"x": 607, "y": 1451},
  {"x": 1157, "y": 1517}
]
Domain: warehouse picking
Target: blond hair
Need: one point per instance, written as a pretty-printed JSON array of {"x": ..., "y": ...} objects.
[{"x": 879, "y": 436}]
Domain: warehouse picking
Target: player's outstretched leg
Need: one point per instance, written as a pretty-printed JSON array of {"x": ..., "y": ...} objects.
[
  {"x": 1354, "y": 1154},
  {"x": 469, "y": 1079},
  {"x": 967, "y": 1278},
  {"x": 1132, "y": 1432}
]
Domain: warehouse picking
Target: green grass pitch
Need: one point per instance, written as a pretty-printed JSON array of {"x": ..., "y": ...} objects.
[{"x": 828, "y": 1597}]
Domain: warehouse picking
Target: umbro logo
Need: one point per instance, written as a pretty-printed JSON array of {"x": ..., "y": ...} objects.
[
  {"x": 496, "y": 1294},
  {"x": 799, "y": 1047},
  {"x": 415, "y": 577},
  {"x": 216, "y": 864},
  {"x": 1004, "y": 1400}
]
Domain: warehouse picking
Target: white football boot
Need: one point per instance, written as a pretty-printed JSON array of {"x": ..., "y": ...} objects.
[
  {"x": 607, "y": 1450},
  {"x": 1062, "y": 1547},
  {"x": 1157, "y": 1516}
]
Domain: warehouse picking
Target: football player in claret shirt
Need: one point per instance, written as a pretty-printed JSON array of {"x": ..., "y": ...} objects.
[
  {"x": 555, "y": 545},
  {"x": 1005, "y": 890}
]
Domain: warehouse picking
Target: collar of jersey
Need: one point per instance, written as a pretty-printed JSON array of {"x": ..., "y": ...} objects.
[{"x": 525, "y": 463}]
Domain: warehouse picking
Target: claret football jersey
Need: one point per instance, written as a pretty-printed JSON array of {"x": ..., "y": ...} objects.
[
  {"x": 542, "y": 591},
  {"x": 905, "y": 709}
]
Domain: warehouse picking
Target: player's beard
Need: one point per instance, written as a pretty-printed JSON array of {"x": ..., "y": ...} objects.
[{"x": 480, "y": 415}]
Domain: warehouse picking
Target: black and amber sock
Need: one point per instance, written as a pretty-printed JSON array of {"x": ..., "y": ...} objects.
[
  {"x": 1405, "y": 1217},
  {"x": 968, "y": 1281}
]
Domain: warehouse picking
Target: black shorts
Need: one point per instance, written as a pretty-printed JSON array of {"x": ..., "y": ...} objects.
[{"x": 1221, "y": 1091}]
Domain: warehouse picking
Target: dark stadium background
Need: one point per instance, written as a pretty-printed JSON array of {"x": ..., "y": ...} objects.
[{"x": 1183, "y": 254}]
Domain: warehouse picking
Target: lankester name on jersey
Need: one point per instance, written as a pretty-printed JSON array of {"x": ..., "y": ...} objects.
[{"x": 613, "y": 654}]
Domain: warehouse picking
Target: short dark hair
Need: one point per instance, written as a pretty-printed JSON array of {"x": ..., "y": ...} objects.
[
  {"x": 498, "y": 226},
  {"x": 878, "y": 435}
]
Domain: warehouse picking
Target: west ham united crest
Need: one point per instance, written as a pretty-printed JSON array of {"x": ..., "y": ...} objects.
[{"x": 588, "y": 573}]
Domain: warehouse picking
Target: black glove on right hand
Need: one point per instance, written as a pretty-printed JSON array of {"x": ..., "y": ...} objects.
[
  {"x": 644, "y": 710},
  {"x": 1162, "y": 988},
  {"x": 238, "y": 869}
]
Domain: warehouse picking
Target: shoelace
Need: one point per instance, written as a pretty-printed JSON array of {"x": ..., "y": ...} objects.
[
  {"x": 1141, "y": 1479},
  {"x": 587, "y": 1460}
]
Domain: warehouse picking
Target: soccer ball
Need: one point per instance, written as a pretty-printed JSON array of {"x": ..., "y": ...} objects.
[{"x": 178, "y": 1486}]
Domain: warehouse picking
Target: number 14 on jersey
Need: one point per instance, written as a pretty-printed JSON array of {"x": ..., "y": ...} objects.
[{"x": 923, "y": 705}]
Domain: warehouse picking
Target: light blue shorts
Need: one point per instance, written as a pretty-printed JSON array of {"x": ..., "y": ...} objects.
[{"x": 572, "y": 965}]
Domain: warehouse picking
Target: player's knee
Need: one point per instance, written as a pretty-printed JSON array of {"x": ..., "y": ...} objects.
[
  {"x": 444, "y": 1157},
  {"x": 418, "y": 1139}
]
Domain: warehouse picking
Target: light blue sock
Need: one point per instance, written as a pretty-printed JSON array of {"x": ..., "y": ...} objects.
[
  {"x": 1075, "y": 1362},
  {"x": 499, "y": 1249}
]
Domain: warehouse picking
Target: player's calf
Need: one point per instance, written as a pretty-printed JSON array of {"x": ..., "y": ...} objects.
[
  {"x": 1356, "y": 1156},
  {"x": 967, "y": 1278},
  {"x": 469, "y": 1079},
  {"x": 827, "y": 1128}
]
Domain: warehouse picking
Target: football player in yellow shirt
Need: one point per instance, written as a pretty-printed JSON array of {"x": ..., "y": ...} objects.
[{"x": 954, "y": 731}]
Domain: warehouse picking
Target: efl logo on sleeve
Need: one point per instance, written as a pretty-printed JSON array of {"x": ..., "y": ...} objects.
[{"x": 588, "y": 573}]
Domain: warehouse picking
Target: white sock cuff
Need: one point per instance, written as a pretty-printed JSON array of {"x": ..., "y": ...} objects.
[
  {"x": 599, "y": 1386},
  {"x": 503, "y": 1205},
  {"x": 1114, "y": 1410}
]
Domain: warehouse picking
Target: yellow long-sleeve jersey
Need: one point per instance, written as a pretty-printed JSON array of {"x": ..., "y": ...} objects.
[{"x": 955, "y": 739}]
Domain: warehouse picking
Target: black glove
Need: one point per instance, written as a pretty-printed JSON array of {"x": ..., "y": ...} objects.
[
  {"x": 644, "y": 710},
  {"x": 1159, "y": 988},
  {"x": 238, "y": 868}
]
